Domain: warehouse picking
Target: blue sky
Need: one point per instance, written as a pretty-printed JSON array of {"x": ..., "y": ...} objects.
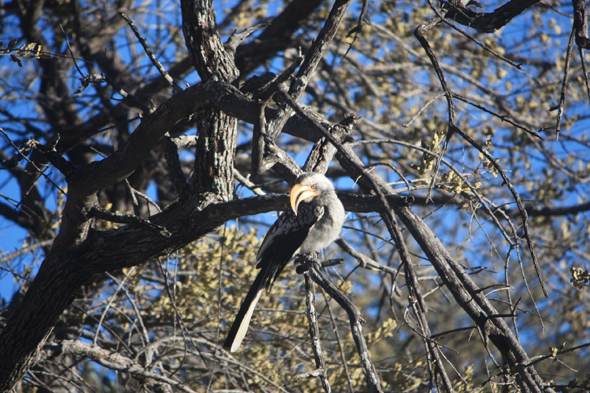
[{"x": 11, "y": 236}]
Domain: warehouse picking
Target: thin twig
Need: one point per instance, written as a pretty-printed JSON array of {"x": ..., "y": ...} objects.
[
  {"x": 338, "y": 340},
  {"x": 150, "y": 54},
  {"x": 436, "y": 97},
  {"x": 128, "y": 219},
  {"x": 236, "y": 39},
  {"x": 419, "y": 34},
  {"x": 516, "y": 196},
  {"x": 247, "y": 183},
  {"x": 566, "y": 69},
  {"x": 23, "y": 251},
  {"x": 499, "y": 116},
  {"x": 39, "y": 171}
]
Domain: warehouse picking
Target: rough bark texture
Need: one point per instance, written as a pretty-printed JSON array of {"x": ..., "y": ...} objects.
[
  {"x": 492, "y": 21},
  {"x": 216, "y": 144}
]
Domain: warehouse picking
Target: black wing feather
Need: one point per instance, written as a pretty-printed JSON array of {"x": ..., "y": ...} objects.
[
  {"x": 283, "y": 239},
  {"x": 278, "y": 254}
]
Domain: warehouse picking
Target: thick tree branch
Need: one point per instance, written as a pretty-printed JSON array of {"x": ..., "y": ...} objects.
[
  {"x": 216, "y": 145},
  {"x": 492, "y": 21}
]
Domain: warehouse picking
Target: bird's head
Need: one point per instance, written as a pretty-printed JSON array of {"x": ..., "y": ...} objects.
[{"x": 307, "y": 187}]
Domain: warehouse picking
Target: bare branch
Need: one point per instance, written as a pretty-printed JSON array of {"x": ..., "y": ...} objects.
[
  {"x": 356, "y": 321},
  {"x": 110, "y": 360}
]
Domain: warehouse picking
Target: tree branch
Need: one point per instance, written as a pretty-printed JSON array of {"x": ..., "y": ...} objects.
[
  {"x": 356, "y": 321},
  {"x": 488, "y": 22},
  {"x": 314, "y": 333},
  {"x": 111, "y": 360}
]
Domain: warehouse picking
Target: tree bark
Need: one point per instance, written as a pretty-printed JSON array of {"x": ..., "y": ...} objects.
[{"x": 217, "y": 131}]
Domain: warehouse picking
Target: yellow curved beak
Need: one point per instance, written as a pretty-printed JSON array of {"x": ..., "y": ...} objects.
[{"x": 300, "y": 193}]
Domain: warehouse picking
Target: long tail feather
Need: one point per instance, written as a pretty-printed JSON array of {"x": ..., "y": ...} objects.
[{"x": 240, "y": 326}]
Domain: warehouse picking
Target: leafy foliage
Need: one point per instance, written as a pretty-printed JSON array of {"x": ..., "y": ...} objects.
[{"x": 31, "y": 50}]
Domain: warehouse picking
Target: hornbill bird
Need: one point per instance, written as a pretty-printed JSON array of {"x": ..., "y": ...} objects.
[{"x": 313, "y": 223}]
